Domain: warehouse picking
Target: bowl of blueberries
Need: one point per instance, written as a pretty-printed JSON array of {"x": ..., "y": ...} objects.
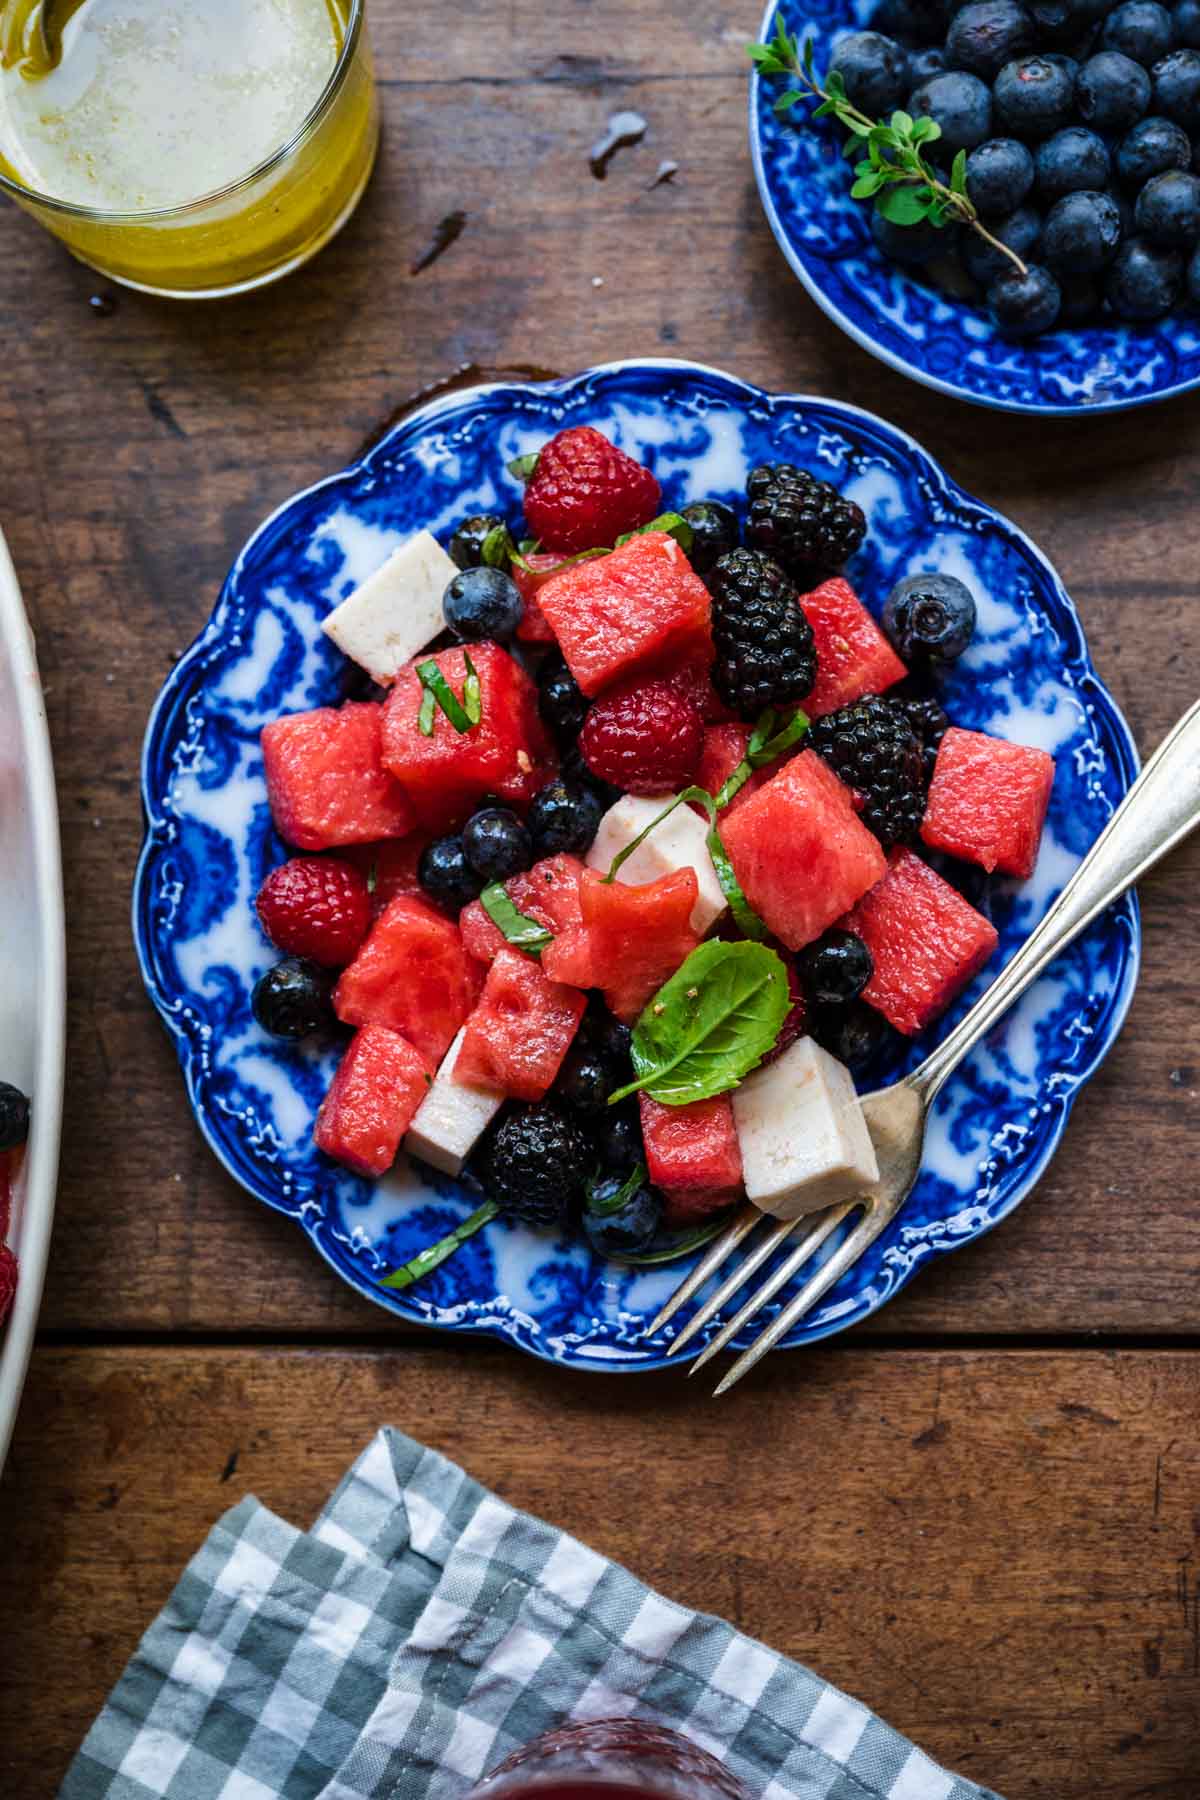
[{"x": 1066, "y": 277}]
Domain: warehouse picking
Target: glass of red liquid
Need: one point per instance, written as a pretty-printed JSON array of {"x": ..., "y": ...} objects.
[{"x": 622, "y": 1759}]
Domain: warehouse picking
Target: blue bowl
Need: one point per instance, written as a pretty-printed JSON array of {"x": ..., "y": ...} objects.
[
  {"x": 210, "y": 840},
  {"x": 946, "y": 344}
]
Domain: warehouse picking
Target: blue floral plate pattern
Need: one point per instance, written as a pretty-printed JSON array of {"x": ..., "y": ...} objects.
[
  {"x": 210, "y": 840},
  {"x": 946, "y": 344}
]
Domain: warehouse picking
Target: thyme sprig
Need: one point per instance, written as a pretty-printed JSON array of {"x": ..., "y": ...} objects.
[{"x": 892, "y": 168}]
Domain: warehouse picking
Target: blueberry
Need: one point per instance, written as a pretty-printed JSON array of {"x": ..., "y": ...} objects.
[
  {"x": 714, "y": 532},
  {"x": 985, "y": 34},
  {"x": 1140, "y": 29},
  {"x": 1177, "y": 88},
  {"x": 1143, "y": 280},
  {"x": 999, "y": 176},
  {"x": 466, "y": 546},
  {"x": 1081, "y": 233},
  {"x": 608, "y": 1036},
  {"x": 874, "y": 71},
  {"x": 561, "y": 701},
  {"x": 483, "y": 603},
  {"x": 292, "y": 1000},
  {"x": 563, "y": 817},
  {"x": 854, "y": 1034},
  {"x": 1033, "y": 97},
  {"x": 1064, "y": 21},
  {"x": 836, "y": 969},
  {"x": 619, "y": 1138},
  {"x": 1168, "y": 209},
  {"x": 631, "y": 1227},
  {"x": 1071, "y": 160},
  {"x": 922, "y": 64},
  {"x": 1151, "y": 148},
  {"x": 14, "y": 1116},
  {"x": 1081, "y": 300},
  {"x": 1024, "y": 305},
  {"x": 911, "y": 244},
  {"x": 446, "y": 875},
  {"x": 585, "y": 1081},
  {"x": 1112, "y": 92},
  {"x": 1185, "y": 21},
  {"x": 960, "y": 104},
  {"x": 496, "y": 844},
  {"x": 930, "y": 619},
  {"x": 1124, "y": 205},
  {"x": 1021, "y": 231},
  {"x": 910, "y": 21}
]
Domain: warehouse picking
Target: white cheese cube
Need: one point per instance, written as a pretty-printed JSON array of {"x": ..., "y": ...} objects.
[
  {"x": 451, "y": 1119},
  {"x": 393, "y": 615},
  {"x": 803, "y": 1137},
  {"x": 680, "y": 842}
]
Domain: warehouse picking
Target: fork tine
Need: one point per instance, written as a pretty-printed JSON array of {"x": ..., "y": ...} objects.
[
  {"x": 754, "y": 1259},
  {"x": 816, "y": 1230},
  {"x": 712, "y": 1259},
  {"x": 864, "y": 1234}
]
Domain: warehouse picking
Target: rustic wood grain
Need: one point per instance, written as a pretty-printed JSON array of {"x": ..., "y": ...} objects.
[
  {"x": 142, "y": 447},
  {"x": 997, "y": 1551}
]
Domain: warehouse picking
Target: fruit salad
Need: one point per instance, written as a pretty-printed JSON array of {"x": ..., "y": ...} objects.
[
  {"x": 14, "y": 1129},
  {"x": 645, "y": 837}
]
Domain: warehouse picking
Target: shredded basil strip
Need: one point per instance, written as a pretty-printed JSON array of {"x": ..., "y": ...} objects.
[
  {"x": 426, "y": 1261},
  {"x": 518, "y": 928},
  {"x": 668, "y": 1253},
  {"x": 747, "y": 919},
  {"x": 766, "y": 743},
  {"x": 671, "y": 522},
  {"x": 497, "y": 548},
  {"x": 438, "y": 689},
  {"x": 624, "y": 1194},
  {"x": 425, "y": 716},
  {"x": 522, "y": 467},
  {"x": 472, "y": 692}
]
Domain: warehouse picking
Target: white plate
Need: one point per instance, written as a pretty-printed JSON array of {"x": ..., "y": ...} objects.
[{"x": 32, "y": 971}]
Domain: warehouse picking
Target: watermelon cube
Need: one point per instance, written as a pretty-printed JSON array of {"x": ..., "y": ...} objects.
[
  {"x": 692, "y": 1154},
  {"x": 531, "y": 576},
  {"x": 799, "y": 851},
  {"x": 640, "y": 607},
  {"x": 926, "y": 941},
  {"x": 412, "y": 975},
  {"x": 987, "y": 801},
  {"x": 326, "y": 781},
  {"x": 853, "y": 656},
  {"x": 549, "y": 893},
  {"x": 517, "y": 1036},
  {"x": 380, "y": 1083},
  {"x": 444, "y": 774},
  {"x": 637, "y": 935}
]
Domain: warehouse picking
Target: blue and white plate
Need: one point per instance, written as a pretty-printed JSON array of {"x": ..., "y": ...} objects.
[
  {"x": 947, "y": 344},
  {"x": 210, "y": 840}
]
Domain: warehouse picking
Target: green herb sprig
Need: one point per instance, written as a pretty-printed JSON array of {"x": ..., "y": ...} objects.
[{"x": 892, "y": 168}]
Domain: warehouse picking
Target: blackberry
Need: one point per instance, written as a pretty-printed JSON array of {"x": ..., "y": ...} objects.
[
  {"x": 765, "y": 650},
  {"x": 802, "y": 522},
  {"x": 537, "y": 1165},
  {"x": 875, "y": 751},
  {"x": 928, "y": 722}
]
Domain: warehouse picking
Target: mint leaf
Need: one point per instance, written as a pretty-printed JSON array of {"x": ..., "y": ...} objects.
[
  {"x": 710, "y": 1024},
  {"x": 438, "y": 689},
  {"x": 601, "y": 1209},
  {"x": 497, "y": 548},
  {"x": 524, "y": 933},
  {"x": 522, "y": 467}
]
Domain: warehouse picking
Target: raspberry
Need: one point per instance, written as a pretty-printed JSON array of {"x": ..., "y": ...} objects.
[
  {"x": 585, "y": 493},
  {"x": 316, "y": 907},
  {"x": 8, "y": 1280},
  {"x": 645, "y": 738}
]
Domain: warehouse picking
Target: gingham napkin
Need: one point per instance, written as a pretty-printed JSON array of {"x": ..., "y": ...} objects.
[{"x": 419, "y": 1633}]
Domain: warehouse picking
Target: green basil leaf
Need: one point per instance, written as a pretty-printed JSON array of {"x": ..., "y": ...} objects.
[
  {"x": 472, "y": 692},
  {"x": 425, "y": 715},
  {"x": 524, "y": 933},
  {"x": 438, "y": 688},
  {"x": 710, "y": 1024},
  {"x": 522, "y": 467},
  {"x": 628, "y": 1188},
  {"x": 426, "y": 1261},
  {"x": 497, "y": 548}
]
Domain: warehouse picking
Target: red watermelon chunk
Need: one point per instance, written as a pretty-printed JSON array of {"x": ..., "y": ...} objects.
[
  {"x": 692, "y": 1154},
  {"x": 549, "y": 893},
  {"x": 987, "y": 801},
  {"x": 326, "y": 781},
  {"x": 926, "y": 940},
  {"x": 390, "y": 867},
  {"x": 640, "y": 607},
  {"x": 799, "y": 851},
  {"x": 531, "y": 578},
  {"x": 380, "y": 1083},
  {"x": 853, "y": 656},
  {"x": 444, "y": 774},
  {"x": 412, "y": 975},
  {"x": 637, "y": 934},
  {"x": 520, "y": 1031}
]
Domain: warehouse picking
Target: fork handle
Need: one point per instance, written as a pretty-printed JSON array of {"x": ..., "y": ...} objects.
[{"x": 1158, "y": 812}]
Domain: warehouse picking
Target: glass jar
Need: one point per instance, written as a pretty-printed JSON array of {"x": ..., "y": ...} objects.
[{"x": 630, "y": 1759}]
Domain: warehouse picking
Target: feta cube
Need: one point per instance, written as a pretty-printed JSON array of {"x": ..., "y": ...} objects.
[
  {"x": 803, "y": 1137},
  {"x": 394, "y": 614},
  {"x": 680, "y": 842},
  {"x": 451, "y": 1119}
]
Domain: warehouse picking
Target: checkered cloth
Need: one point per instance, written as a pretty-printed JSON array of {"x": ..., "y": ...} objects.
[{"x": 422, "y": 1631}]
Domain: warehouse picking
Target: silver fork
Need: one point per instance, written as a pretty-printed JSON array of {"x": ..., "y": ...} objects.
[{"x": 1160, "y": 809}]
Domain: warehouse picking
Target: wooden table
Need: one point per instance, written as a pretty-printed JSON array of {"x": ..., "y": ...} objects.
[{"x": 979, "y": 1512}]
